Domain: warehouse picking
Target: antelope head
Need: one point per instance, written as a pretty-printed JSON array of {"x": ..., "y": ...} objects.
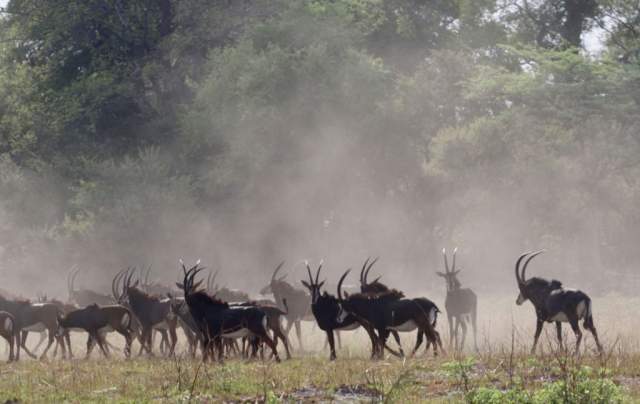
[
  {"x": 188, "y": 285},
  {"x": 450, "y": 275},
  {"x": 268, "y": 289},
  {"x": 343, "y": 313},
  {"x": 524, "y": 284},
  {"x": 365, "y": 285},
  {"x": 313, "y": 285}
]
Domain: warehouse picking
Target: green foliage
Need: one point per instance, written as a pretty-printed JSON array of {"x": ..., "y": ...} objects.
[
  {"x": 120, "y": 113},
  {"x": 580, "y": 387}
]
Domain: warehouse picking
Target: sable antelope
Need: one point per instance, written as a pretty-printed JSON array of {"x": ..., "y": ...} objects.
[
  {"x": 298, "y": 300},
  {"x": 32, "y": 317},
  {"x": 9, "y": 331},
  {"x": 376, "y": 287},
  {"x": 66, "y": 338},
  {"x": 155, "y": 288},
  {"x": 151, "y": 311},
  {"x": 84, "y": 297},
  {"x": 218, "y": 320},
  {"x": 274, "y": 321},
  {"x": 461, "y": 304},
  {"x": 225, "y": 294},
  {"x": 388, "y": 311},
  {"x": 326, "y": 308},
  {"x": 97, "y": 321},
  {"x": 554, "y": 303},
  {"x": 188, "y": 323},
  {"x": 371, "y": 287}
]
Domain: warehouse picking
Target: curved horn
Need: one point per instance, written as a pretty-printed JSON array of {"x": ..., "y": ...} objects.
[
  {"x": 69, "y": 284},
  {"x": 366, "y": 273},
  {"x": 340, "y": 284},
  {"x": 146, "y": 277},
  {"x": 446, "y": 263},
  {"x": 73, "y": 278},
  {"x": 278, "y": 268},
  {"x": 524, "y": 267},
  {"x": 518, "y": 278},
  {"x": 453, "y": 264},
  {"x": 114, "y": 290},
  {"x": 364, "y": 267},
  {"x": 319, "y": 269},
  {"x": 306, "y": 263}
]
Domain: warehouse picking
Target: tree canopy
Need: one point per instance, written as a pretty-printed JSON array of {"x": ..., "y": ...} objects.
[{"x": 246, "y": 131}]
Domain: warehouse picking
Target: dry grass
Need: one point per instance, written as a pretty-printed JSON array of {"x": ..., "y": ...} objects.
[{"x": 501, "y": 364}]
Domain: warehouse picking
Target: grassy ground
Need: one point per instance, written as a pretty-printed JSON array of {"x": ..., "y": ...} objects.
[
  {"x": 499, "y": 372},
  {"x": 308, "y": 378}
]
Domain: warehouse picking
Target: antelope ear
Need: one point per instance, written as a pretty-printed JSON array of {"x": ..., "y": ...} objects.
[
  {"x": 306, "y": 285},
  {"x": 346, "y": 294},
  {"x": 135, "y": 285},
  {"x": 179, "y": 285},
  {"x": 321, "y": 283},
  {"x": 457, "y": 271},
  {"x": 440, "y": 274}
]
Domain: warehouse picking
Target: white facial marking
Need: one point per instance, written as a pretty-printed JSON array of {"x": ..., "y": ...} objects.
[
  {"x": 125, "y": 320},
  {"x": 342, "y": 315},
  {"x": 520, "y": 299}
]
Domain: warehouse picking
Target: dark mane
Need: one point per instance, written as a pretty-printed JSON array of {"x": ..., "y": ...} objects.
[
  {"x": 544, "y": 283},
  {"x": 136, "y": 293},
  {"x": 392, "y": 294},
  {"x": 201, "y": 297}
]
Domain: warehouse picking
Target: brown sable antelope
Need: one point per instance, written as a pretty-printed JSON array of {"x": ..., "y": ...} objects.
[
  {"x": 225, "y": 294},
  {"x": 84, "y": 297},
  {"x": 554, "y": 303},
  {"x": 66, "y": 337},
  {"x": 97, "y": 321},
  {"x": 152, "y": 312},
  {"x": 9, "y": 332},
  {"x": 217, "y": 320},
  {"x": 299, "y": 302},
  {"x": 461, "y": 304},
  {"x": 388, "y": 311},
  {"x": 32, "y": 317}
]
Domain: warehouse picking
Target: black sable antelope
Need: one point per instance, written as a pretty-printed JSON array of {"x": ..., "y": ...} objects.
[
  {"x": 299, "y": 302},
  {"x": 461, "y": 304},
  {"x": 371, "y": 287},
  {"x": 97, "y": 321},
  {"x": 388, "y": 311},
  {"x": 32, "y": 316},
  {"x": 326, "y": 308},
  {"x": 217, "y": 320},
  {"x": 152, "y": 312},
  {"x": 554, "y": 303},
  {"x": 377, "y": 287},
  {"x": 9, "y": 332},
  {"x": 84, "y": 297}
]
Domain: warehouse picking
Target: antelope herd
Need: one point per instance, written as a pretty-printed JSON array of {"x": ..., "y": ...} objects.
[{"x": 220, "y": 322}]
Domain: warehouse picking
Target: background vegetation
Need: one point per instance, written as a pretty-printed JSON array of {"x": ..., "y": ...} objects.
[{"x": 246, "y": 131}]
